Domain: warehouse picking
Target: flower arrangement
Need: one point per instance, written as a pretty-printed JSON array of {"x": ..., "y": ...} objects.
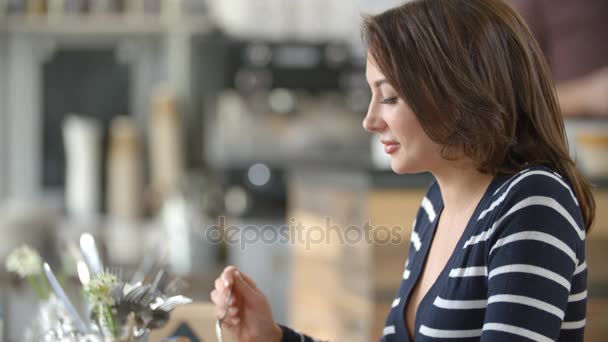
[
  {"x": 97, "y": 293},
  {"x": 27, "y": 263},
  {"x": 120, "y": 311},
  {"x": 124, "y": 311}
]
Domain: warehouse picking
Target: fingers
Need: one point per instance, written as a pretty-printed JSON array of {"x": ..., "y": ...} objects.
[
  {"x": 220, "y": 300},
  {"x": 232, "y": 317},
  {"x": 222, "y": 286},
  {"x": 245, "y": 285},
  {"x": 228, "y": 275},
  {"x": 220, "y": 306},
  {"x": 248, "y": 280},
  {"x": 225, "y": 298},
  {"x": 232, "y": 284}
]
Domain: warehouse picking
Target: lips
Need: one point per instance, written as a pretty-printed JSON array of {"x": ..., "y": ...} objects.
[{"x": 390, "y": 147}]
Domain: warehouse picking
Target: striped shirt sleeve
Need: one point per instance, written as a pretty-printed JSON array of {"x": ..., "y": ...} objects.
[
  {"x": 290, "y": 335},
  {"x": 535, "y": 249}
]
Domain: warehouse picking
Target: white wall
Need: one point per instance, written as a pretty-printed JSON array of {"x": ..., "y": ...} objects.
[
  {"x": 378, "y": 6},
  {"x": 3, "y": 120},
  {"x": 23, "y": 108}
]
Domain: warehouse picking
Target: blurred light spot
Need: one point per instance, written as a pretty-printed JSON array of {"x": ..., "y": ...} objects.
[
  {"x": 236, "y": 200},
  {"x": 297, "y": 56},
  {"x": 258, "y": 174},
  {"x": 259, "y": 55},
  {"x": 248, "y": 80},
  {"x": 281, "y": 101},
  {"x": 335, "y": 55}
]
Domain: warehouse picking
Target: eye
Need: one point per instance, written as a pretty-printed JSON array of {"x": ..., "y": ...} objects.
[{"x": 389, "y": 100}]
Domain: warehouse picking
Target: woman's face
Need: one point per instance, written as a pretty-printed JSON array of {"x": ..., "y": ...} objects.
[{"x": 410, "y": 148}]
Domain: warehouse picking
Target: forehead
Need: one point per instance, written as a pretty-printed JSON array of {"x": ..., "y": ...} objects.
[{"x": 372, "y": 72}]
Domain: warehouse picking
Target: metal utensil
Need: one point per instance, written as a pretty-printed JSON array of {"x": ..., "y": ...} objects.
[
  {"x": 147, "y": 263},
  {"x": 151, "y": 320},
  {"x": 172, "y": 302},
  {"x": 77, "y": 320},
  {"x": 218, "y": 323}
]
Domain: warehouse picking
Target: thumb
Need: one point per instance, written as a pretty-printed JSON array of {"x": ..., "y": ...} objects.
[
  {"x": 244, "y": 285},
  {"x": 248, "y": 280}
]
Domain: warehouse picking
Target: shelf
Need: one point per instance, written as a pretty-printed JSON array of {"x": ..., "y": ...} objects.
[
  {"x": 144, "y": 24},
  {"x": 104, "y": 24}
]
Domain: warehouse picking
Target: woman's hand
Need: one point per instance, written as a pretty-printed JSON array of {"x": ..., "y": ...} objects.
[{"x": 249, "y": 318}]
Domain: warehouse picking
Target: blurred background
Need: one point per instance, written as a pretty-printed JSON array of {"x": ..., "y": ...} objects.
[{"x": 155, "y": 125}]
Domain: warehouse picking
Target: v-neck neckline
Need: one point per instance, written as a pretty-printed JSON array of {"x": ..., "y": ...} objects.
[{"x": 449, "y": 264}]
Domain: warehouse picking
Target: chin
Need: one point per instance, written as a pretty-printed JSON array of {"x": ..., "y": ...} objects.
[{"x": 402, "y": 167}]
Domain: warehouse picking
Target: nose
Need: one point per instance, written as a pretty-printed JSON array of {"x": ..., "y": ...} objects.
[{"x": 373, "y": 122}]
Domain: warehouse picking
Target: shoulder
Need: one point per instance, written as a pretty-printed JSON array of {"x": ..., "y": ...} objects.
[
  {"x": 536, "y": 199},
  {"x": 535, "y": 186}
]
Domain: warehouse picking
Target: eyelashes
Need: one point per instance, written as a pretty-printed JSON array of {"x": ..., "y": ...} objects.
[{"x": 390, "y": 100}]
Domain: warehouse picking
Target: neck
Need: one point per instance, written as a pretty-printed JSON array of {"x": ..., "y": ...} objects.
[{"x": 461, "y": 184}]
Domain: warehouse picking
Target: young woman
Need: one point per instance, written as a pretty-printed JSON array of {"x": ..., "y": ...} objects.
[{"x": 461, "y": 90}]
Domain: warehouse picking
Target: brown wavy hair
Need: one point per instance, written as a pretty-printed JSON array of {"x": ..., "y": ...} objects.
[{"x": 479, "y": 85}]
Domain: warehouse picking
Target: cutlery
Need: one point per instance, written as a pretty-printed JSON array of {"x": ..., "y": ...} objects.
[{"x": 78, "y": 322}]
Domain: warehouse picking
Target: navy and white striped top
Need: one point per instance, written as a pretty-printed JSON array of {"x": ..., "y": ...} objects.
[{"x": 518, "y": 272}]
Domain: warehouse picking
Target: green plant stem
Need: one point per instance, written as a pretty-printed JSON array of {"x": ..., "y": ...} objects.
[
  {"x": 40, "y": 286},
  {"x": 105, "y": 311}
]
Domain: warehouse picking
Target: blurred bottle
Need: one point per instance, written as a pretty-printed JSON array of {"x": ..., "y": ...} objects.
[
  {"x": 75, "y": 6},
  {"x": 232, "y": 139},
  {"x": 152, "y": 6},
  {"x": 166, "y": 146},
  {"x": 15, "y": 6},
  {"x": 36, "y": 7},
  {"x": 56, "y": 8},
  {"x": 194, "y": 7},
  {"x": 82, "y": 141},
  {"x": 101, "y": 6},
  {"x": 3, "y": 8},
  {"x": 174, "y": 216},
  {"x": 171, "y": 9},
  {"x": 125, "y": 179},
  {"x": 135, "y": 8}
]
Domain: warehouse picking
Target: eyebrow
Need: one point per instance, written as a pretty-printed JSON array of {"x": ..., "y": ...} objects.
[{"x": 380, "y": 82}]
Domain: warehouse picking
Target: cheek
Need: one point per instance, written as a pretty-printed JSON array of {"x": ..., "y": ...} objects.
[
  {"x": 417, "y": 147},
  {"x": 405, "y": 127}
]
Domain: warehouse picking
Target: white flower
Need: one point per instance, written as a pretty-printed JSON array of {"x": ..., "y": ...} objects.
[
  {"x": 97, "y": 292},
  {"x": 25, "y": 261},
  {"x": 98, "y": 289}
]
